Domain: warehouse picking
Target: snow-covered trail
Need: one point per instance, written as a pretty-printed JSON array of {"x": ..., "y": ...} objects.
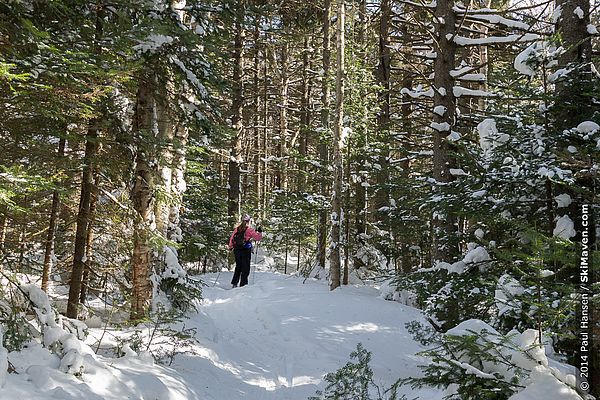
[
  {"x": 273, "y": 339},
  {"x": 277, "y": 337}
]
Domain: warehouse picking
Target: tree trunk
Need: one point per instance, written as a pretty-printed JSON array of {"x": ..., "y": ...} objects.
[
  {"x": 407, "y": 127},
  {"x": 83, "y": 220},
  {"x": 323, "y": 152},
  {"x": 360, "y": 203},
  {"x": 83, "y": 215},
  {"x": 305, "y": 114},
  {"x": 257, "y": 130},
  {"x": 346, "y": 219},
  {"x": 281, "y": 181},
  {"x": 22, "y": 236},
  {"x": 49, "y": 248},
  {"x": 265, "y": 136},
  {"x": 406, "y": 110},
  {"x": 445, "y": 246},
  {"x": 142, "y": 197},
  {"x": 3, "y": 230},
  {"x": 573, "y": 105},
  {"x": 166, "y": 133},
  {"x": 384, "y": 116},
  {"x": 236, "y": 112},
  {"x": 89, "y": 240},
  {"x": 178, "y": 184},
  {"x": 573, "y": 32},
  {"x": 337, "y": 217}
]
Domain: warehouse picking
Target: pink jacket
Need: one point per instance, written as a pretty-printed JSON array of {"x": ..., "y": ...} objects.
[{"x": 249, "y": 234}]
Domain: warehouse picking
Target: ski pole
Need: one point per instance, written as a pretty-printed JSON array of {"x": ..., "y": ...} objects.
[
  {"x": 217, "y": 278},
  {"x": 255, "y": 257},
  {"x": 218, "y": 275}
]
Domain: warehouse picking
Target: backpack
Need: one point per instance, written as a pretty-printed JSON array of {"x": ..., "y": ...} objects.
[{"x": 238, "y": 239}]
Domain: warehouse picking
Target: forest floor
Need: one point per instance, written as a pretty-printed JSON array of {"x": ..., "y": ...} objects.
[{"x": 273, "y": 339}]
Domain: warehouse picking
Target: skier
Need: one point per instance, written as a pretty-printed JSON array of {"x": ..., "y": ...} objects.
[{"x": 241, "y": 244}]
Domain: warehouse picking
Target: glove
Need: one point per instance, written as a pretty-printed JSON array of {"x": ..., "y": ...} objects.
[{"x": 259, "y": 229}]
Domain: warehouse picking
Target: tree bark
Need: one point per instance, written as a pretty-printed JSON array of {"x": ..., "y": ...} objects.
[
  {"x": 281, "y": 179},
  {"x": 257, "y": 130},
  {"x": 573, "y": 32},
  {"x": 3, "y": 230},
  {"x": 360, "y": 206},
  {"x": 337, "y": 217},
  {"x": 83, "y": 215},
  {"x": 383, "y": 74},
  {"x": 236, "y": 112},
  {"x": 49, "y": 247},
  {"x": 445, "y": 246},
  {"x": 178, "y": 184},
  {"x": 323, "y": 152},
  {"x": 575, "y": 39},
  {"x": 573, "y": 105},
  {"x": 142, "y": 197},
  {"x": 83, "y": 220},
  {"x": 305, "y": 114},
  {"x": 166, "y": 133},
  {"x": 89, "y": 240}
]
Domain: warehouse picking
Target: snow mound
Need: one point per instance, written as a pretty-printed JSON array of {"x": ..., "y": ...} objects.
[
  {"x": 489, "y": 137},
  {"x": 541, "y": 381},
  {"x": 565, "y": 228},
  {"x": 587, "y": 127},
  {"x": 563, "y": 200},
  {"x": 543, "y": 385}
]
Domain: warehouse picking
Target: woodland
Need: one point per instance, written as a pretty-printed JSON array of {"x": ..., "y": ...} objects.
[{"x": 449, "y": 149}]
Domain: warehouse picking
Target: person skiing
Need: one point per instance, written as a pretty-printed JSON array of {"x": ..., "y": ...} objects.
[{"x": 241, "y": 244}]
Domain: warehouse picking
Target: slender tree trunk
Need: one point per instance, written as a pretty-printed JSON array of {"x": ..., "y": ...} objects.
[
  {"x": 178, "y": 184},
  {"x": 383, "y": 74},
  {"x": 284, "y": 83},
  {"x": 305, "y": 114},
  {"x": 3, "y": 230},
  {"x": 337, "y": 217},
  {"x": 445, "y": 245},
  {"x": 298, "y": 253},
  {"x": 83, "y": 220},
  {"x": 407, "y": 127},
  {"x": 323, "y": 152},
  {"x": 49, "y": 248},
  {"x": 237, "y": 108},
  {"x": 360, "y": 204},
  {"x": 265, "y": 120},
  {"x": 166, "y": 133},
  {"x": 483, "y": 60},
  {"x": 89, "y": 253},
  {"x": 22, "y": 237},
  {"x": 83, "y": 215},
  {"x": 256, "y": 119},
  {"x": 346, "y": 219}
]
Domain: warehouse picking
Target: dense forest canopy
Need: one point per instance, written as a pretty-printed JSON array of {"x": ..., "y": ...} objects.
[{"x": 447, "y": 146}]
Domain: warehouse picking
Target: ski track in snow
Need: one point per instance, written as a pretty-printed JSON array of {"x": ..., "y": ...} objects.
[{"x": 276, "y": 338}]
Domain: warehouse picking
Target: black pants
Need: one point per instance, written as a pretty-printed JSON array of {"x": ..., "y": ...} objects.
[{"x": 242, "y": 266}]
